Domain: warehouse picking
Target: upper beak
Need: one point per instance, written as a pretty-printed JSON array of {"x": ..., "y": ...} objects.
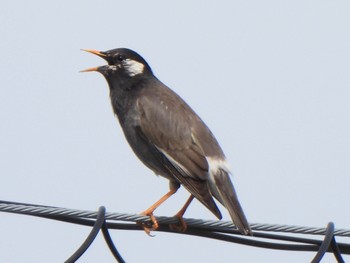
[{"x": 96, "y": 52}]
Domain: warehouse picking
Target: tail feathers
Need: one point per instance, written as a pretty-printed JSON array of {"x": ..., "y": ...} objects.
[
  {"x": 198, "y": 189},
  {"x": 229, "y": 199}
]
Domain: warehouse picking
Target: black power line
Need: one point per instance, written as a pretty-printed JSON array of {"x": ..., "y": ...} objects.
[{"x": 220, "y": 230}]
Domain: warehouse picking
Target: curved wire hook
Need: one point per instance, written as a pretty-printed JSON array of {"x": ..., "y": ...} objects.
[
  {"x": 110, "y": 244},
  {"x": 100, "y": 219},
  {"x": 325, "y": 245}
]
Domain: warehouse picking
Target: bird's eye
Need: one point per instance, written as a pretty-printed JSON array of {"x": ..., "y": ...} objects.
[{"x": 120, "y": 58}]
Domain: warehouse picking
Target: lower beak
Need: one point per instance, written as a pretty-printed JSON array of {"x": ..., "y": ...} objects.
[{"x": 89, "y": 69}]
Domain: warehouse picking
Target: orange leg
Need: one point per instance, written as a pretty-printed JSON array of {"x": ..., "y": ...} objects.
[
  {"x": 183, "y": 226},
  {"x": 150, "y": 210}
]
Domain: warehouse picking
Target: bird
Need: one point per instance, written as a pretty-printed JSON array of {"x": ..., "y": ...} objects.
[{"x": 168, "y": 137}]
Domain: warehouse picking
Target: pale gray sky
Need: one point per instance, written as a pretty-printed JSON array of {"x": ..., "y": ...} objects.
[{"x": 270, "y": 78}]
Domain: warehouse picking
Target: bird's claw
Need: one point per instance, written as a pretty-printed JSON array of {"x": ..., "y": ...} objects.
[
  {"x": 179, "y": 227},
  {"x": 154, "y": 225}
]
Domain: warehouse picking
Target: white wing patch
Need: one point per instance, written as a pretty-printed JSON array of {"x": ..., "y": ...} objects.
[
  {"x": 216, "y": 164},
  {"x": 133, "y": 67},
  {"x": 174, "y": 162}
]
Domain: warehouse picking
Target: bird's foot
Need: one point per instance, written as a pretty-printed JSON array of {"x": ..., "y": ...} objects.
[
  {"x": 179, "y": 227},
  {"x": 149, "y": 227}
]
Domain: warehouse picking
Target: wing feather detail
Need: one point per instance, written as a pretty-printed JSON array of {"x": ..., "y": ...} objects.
[{"x": 168, "y": 127}]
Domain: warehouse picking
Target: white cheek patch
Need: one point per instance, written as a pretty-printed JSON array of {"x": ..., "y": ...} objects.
[
  {"x": 216, "y": 164},
  {"x": 133, "y": 67},
  {"x": 112, "y": 67}
]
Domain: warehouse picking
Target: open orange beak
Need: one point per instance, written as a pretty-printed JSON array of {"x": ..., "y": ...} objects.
[{"x": 98, "y": 53}]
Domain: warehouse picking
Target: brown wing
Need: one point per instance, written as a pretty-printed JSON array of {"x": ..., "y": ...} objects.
[{"x": 167, "y": 123}]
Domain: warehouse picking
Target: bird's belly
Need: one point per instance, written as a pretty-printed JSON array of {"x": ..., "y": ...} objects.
[{"x": 145, "y": 151}]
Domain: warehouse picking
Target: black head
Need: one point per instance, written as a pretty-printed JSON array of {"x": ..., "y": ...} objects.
[{"x": 122, "y": 62}]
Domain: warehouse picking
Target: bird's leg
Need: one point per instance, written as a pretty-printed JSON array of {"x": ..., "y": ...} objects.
[
  {"x": 182, "y": 226},
  {"x": 150, "y": 210}
]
